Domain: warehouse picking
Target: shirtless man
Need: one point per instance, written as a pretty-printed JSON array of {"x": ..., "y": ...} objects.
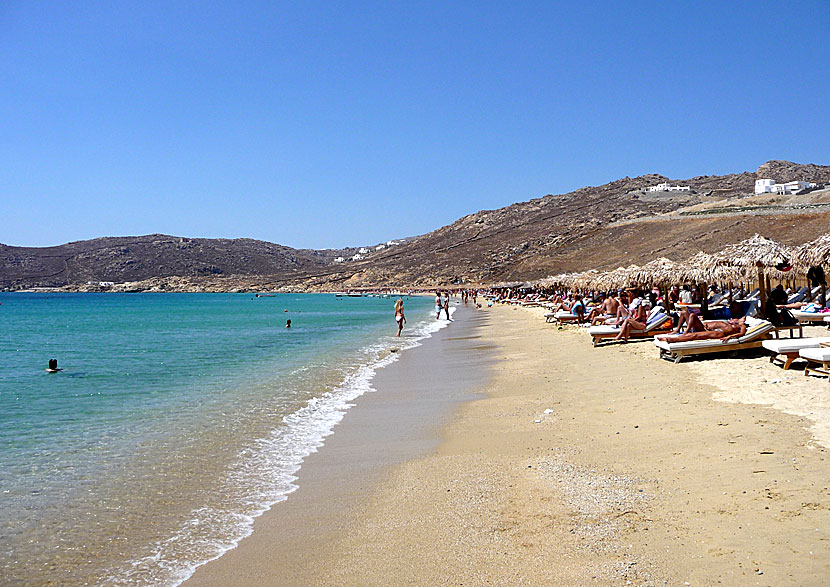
[
  {"x": 607, "y": 310},
  {"x": 716, "y": 329}
]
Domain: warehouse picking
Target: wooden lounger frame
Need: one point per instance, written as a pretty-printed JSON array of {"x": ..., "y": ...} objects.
[
  {"x": 790, "y": 357},
  {"x": 825, "y": 365},
  {"x": 680, "y": 354},
  {"x": 651, "y": 333}
]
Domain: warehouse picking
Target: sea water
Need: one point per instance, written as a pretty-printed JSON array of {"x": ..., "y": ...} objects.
[{"x": 176, "y": 420}]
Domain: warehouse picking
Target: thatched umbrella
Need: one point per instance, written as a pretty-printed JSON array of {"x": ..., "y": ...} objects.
[
  {"x": 815, "y": 253},
  {"x": 702, "y": 268},
  {"x": 657, "y": 271},
  {"x": 756, "y": 254},
  {"x": 612, "y": 279}
]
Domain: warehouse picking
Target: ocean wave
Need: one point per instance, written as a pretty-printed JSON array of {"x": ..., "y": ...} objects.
[{"x": 265, "y": 472}]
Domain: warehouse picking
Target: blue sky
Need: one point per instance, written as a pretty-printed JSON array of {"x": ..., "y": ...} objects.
[{"x": 347, "y": 123}]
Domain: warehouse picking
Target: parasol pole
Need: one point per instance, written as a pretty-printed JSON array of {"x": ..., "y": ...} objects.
[{"x": 761, "y": 288}]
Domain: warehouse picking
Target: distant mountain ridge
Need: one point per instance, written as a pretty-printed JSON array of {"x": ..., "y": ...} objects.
[{"x": 525, "y": 240}]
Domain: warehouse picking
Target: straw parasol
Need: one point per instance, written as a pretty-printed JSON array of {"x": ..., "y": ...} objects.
[
  {"x": 702, "y": 268},
  {"x": 657, "y": 271},
  {"x": 748, "y": 253},
  {"x": 759, "y": 254},
  {"x": 815, "y": 252}
]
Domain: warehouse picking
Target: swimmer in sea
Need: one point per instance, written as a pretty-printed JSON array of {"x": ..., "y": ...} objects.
[
  {"x": 53, "y": 366},
  {"x": 399, "y": 317},
  {"x": 288, "y": 324}
]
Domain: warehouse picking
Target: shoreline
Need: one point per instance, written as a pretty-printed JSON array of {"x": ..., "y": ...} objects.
[
  {"x": 396, "y": 422},
  {"x": 585, "y": 466}
]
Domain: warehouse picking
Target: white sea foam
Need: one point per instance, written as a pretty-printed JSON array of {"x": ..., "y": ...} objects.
[{"x": 265, "y": 473}]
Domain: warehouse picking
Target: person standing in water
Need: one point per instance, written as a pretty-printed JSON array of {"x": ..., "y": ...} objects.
[
  {"x": 399, "y": 317},
  {"x": 438, "y": 304}
]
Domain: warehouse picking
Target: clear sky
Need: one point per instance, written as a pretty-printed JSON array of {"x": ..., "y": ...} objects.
[{"x": 347, "y": 123}]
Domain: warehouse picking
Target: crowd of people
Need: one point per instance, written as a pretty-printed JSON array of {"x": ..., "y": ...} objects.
[{"x": 696, "y": 314}]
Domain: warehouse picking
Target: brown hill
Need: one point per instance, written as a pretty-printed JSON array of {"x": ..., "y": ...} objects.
[
  {"x": 120, "y": 259},
  {"x": 582, "y": 229},
  {"x": 604, "y": 226}
]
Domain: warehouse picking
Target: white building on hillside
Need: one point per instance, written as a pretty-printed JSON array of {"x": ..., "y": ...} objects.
[
  {"x": 768, "y": 186},
  {"x": 666, "y": 187}
]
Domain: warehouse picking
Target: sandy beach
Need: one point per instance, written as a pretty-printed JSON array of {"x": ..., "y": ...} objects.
[{"x": 574, "y": 466}]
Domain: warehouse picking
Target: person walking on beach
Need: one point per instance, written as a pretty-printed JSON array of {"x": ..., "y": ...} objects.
[
  {"x": 447, "y": 304},
  {"x": 399, "y": 317}
]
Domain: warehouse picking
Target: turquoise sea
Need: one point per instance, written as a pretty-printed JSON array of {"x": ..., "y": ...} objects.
[{"x": 177, "y": 419}]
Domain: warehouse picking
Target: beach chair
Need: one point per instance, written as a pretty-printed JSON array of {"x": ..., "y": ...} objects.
[
  {"x": 818, "y": 360},
  {"x": 786, "y": 350},
  {"x": 757, "y": 331},
  {"x": 798, "y": 296},
  {"x": 718, "y": 298},
  {"x": 658, "y": 323},
  {"x": 564, "y": 316},
  {"x": 809, "y": 317}
]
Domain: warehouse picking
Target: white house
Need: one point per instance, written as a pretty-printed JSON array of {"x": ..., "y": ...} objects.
[
  {"x": 357, "y": 257},
  {"x": 363, "y": 250},
  {"x": 380, "y": 247},
  {"x": 768, "y": 186},
  {"x": 339, "y": 259},
  {"x": 666, "y": 187},
  {"x": 764, "y": 186}
]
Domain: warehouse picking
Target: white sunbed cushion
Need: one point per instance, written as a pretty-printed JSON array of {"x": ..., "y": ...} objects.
[
  {"x": 607, "y": 329},
  {"x": 602, "y": 329},
  {"x": 789, "y": 345},
  {"x": 816, "y": 354},
  {"x": 755, "y": 328},
  {"x": 657, "y": 321},
  {"x": 809, "y": 316}
]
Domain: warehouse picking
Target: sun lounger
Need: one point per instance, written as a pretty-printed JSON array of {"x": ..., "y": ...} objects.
[
  {"x": 786, "y": 350},
  {"x": 563, "y": 316},
  {"x": 718, "y": 298},
  {"x": 798, "y": 296},
  {"x": 757, "y": 331},
  {"x": 810, "y": 316},
  {"x": 815, "y": 357},
  {"x": 660, "y": 323}
]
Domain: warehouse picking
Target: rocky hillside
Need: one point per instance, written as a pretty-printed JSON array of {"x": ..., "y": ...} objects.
[
  {"x": 546, "y": 235},
  {"x": 604, "y": 226},
  {"x": 119, "y": 259}
]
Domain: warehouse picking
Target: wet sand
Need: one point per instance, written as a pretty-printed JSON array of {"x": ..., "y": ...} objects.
[
  {"x": 578, "y": 466},
  {"x": 414, "y": 399}
]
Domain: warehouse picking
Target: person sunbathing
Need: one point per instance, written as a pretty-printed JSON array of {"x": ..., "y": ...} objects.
[
  {"x": 636, "y": 320},
  {"x": 577, "y": 307},
  {"x": 711, "y": 330},
  {"x": 608, "y": 309}
]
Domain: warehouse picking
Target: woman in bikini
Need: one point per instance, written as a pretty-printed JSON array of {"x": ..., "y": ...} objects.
[{"x": 399, "y": 317}]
